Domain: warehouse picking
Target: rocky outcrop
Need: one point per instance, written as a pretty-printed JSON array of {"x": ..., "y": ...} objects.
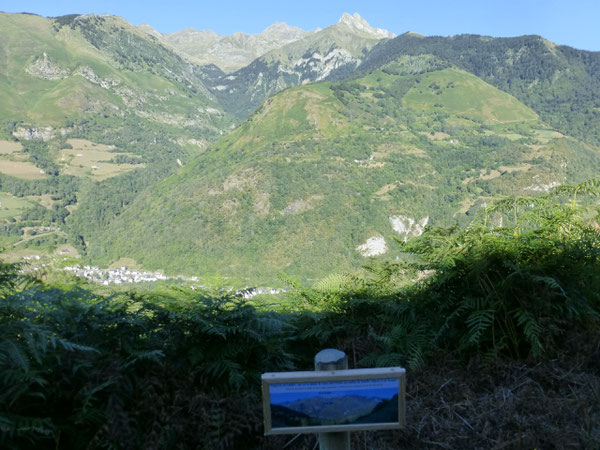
[
  {"x": 40, "y": 133},
  {"x": 29, "y": 134},
  {"x": 329, "y": 54},
  {"x": 87, "y": 73},
  {"x": 43, "y": 67},
  {"x": 360, "y": 25},
  {"x": 374, "y": 246},
  {"x": 235, "y": 51},
  {"x": 408, "y": 227}
]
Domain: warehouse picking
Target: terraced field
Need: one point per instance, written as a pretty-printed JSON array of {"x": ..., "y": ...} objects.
[
  {"x": 21, "y": 169},
  {"x": 10, "y": 147},
  {"x": 88, "y": 159}
]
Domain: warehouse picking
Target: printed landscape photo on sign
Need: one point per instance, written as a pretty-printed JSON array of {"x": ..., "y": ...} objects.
[{"x": 343, "y": 400}]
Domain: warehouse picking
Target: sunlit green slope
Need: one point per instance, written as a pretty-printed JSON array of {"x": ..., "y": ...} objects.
[
  {"x": 562, "y": 84},
  {"x": 101, "y": 111},
  {"x": 59, "y": 72},
  {"x": 322, "y": 176}
]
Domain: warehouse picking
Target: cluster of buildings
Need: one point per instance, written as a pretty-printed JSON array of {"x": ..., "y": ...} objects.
[
  {"x": 115, "y": 276},
  {"x": 124, "y": 275},
  {"x": 249, "y": 293}
]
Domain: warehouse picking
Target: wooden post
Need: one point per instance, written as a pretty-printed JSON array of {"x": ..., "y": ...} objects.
[{"x": 332, "y": 359}]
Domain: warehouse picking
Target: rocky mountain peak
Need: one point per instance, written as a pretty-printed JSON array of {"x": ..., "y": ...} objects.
[
  {"x": 357, "y": 23},
  {"x": 148, "y": 29},
  {"x": 282, "y": 27}
]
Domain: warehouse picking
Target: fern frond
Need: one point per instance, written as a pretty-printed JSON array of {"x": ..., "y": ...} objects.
[
  {"x": 478, "y": 322},
  {"x": 531, "y": 330}
]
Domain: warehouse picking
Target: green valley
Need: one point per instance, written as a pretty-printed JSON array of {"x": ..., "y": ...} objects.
[
  {"x": 119, "y": 141},
  {"x": 182, "y": 212}
]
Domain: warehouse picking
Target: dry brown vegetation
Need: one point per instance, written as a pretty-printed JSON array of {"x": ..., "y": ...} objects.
[
  {"x": 87, "y": 158},
  {"x": 8, "y": 147},
  {"x": 21, "y": 169},
  {"x": 510, "y": 405}
]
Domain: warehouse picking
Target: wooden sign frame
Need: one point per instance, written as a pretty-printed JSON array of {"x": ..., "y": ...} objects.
[{"x": 375, "y": 386}]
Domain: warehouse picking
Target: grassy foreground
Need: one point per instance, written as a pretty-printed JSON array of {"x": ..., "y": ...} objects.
[{"x": 497, "y": 324}]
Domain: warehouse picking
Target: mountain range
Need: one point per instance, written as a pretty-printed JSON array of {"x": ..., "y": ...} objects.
[
  {"x": 233, "y": 52},
  {"x": 344, "y": 410},
  {"x": 338, "y": 409},
  {"x": 300, "y": 151}
]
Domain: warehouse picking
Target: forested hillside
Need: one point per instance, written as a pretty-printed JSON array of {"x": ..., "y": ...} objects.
[
  {"x": 322, "y": 177},
  {"x": 112, "y": 140},
  {"x": 560, "y": 83},
  {"x": 92, "y": 111}
]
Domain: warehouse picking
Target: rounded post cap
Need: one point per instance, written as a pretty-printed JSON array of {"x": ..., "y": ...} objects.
[{"x": 331, "y": 359}]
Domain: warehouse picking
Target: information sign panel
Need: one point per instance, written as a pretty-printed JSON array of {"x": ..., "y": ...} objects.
[{"x": 339, "y": 400}]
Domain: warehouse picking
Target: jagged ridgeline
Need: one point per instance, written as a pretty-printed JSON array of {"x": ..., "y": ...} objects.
[
  {"x": 333, "y": 53},
  {"x": 324, "y": 176}
]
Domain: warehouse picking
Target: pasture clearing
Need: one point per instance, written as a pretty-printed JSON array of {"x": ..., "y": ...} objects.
[
  {"x": 10, "y": 147},
  {"x": 545, "y": 136},
  {"x": 88, "y": 159},
  {"x": 63, "y": 252},
  {"x": 436, "y": 136},
  {"x": 21, "y": 169},
  {"x": 512, "y": 136},
  {"x": 44, "y": 200},
  {"x": 11, "y": 206},
  {"x": 458, "y": 92},
  {"x": 15, "y": 255},
  {"x": 465, "y": 205},
  {"x": 67, "y": 251},
  {"x": 518, "y": 168}
]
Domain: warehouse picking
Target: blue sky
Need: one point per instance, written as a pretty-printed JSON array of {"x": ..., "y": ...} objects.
[{"x": 574, "y": 22}]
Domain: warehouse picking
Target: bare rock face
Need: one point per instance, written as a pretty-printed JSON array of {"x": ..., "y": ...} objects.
[
  {"x": 41, "y": 133},
  {"x": 374, "y": 246},
  {"x": 29, "y": 134},
  {"x": 407, "y": 226},
  {"x": 43, "y": 67},
  {"x": 300, "y": 58},
  {"x": 235, "y": 51},
  {"x": 87, "y": 73},
  {"x": 360, "y": 25},
  {"x": 238, "y": 50}
]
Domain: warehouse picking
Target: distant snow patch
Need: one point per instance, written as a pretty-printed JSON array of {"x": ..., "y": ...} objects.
[{"x": 374, "y": 246}]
